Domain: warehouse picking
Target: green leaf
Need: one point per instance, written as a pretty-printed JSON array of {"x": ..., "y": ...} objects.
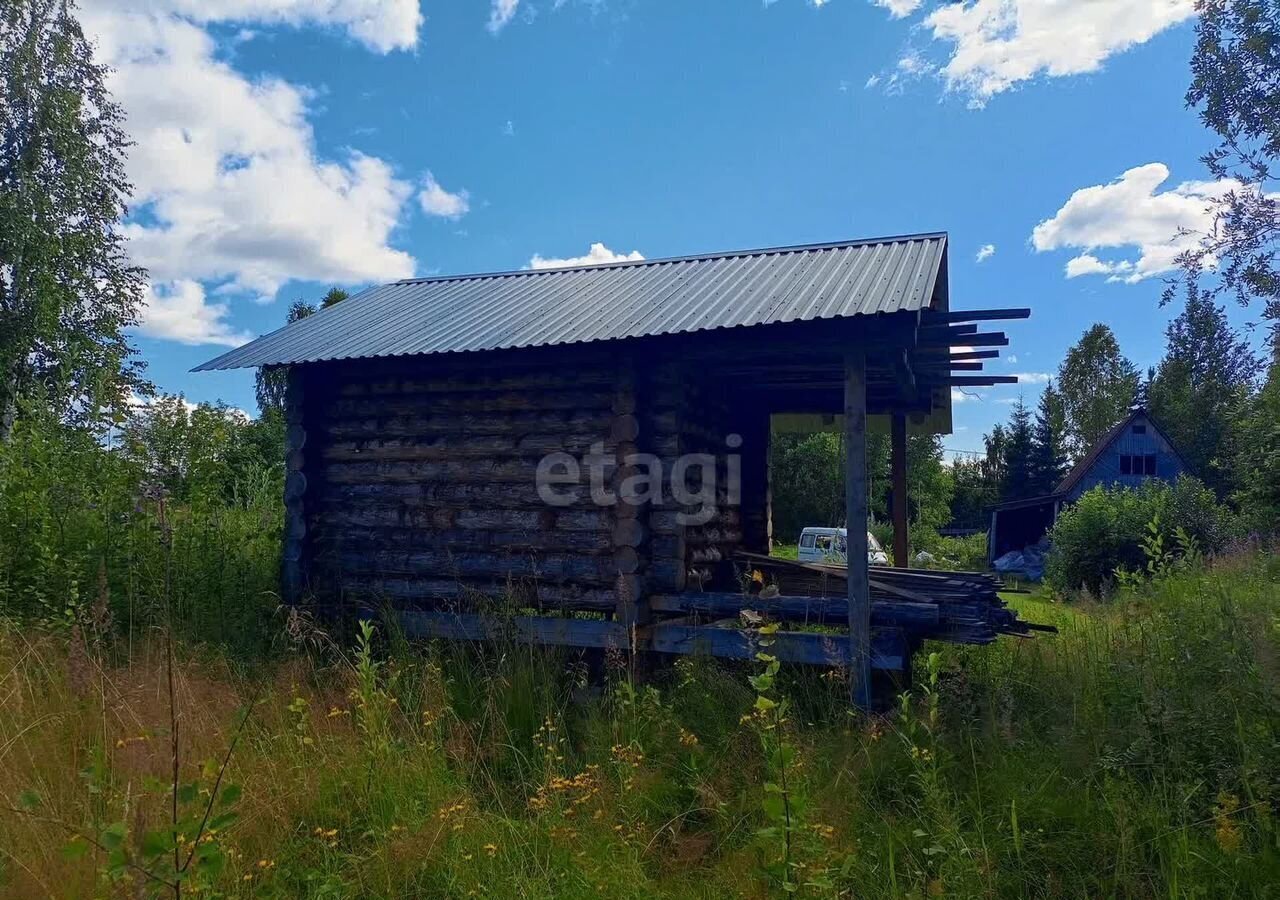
[
  {"x": 221, "y": 821},
  {"x": 112, "y": 836},
  {"x": 156, "y": 843},
  {"x": 229, "y": 794},
  {"x": 764, "y": 704},
  {"x": 75, "y": 848},
  {"x": 28, "y": 799},
  {"x": 187, "y": 793},
  {"x": 774, "y": 806}
]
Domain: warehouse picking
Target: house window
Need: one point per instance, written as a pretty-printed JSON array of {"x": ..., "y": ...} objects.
[
  {"x": 1139, "y": 429},
  {"x": 1144, "y": 464}
]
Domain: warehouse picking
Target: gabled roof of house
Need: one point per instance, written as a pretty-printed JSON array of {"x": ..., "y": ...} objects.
[
  {"x": 1087, "y": 462},
  {"x": 531, "y": 308}
]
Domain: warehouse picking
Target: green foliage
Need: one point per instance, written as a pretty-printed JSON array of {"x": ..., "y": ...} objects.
[
  {"x": 1048, "y": 445},
  {"x": 1105, "y": 530},
  {"x": 808, "y": 481},
  {"x": 205, "y": 453},
  {"x": 808, "y": 478},
  {"x": 960, "y": 554},
  {"x": 67, "y": 290},
  {"x": 1255, "y": 454},
  {"x": 1235, "y": 70},
  {"x": 1206, "y": 375},
  {"x": 84, "y": 540},
  {"x": 1098, "y": 386},
  {"x": 1019, "y": 447},
  {"x": 974, "y": 493}
]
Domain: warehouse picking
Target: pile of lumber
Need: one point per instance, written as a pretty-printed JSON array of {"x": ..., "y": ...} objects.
[{"x": 961, "y": 607}]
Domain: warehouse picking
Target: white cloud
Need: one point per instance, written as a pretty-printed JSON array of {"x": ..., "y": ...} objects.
[
  {"x": 1033, "y": 377},
  {"x": 501, "y": 13},
  {"x": 141, "y": 403},
  {"x": 899, "y": 8},
  {"x": 382, "y": 25},
  {"x": 436, "y": 201},
  {"x": 959, "y": 395},
  {"x": 986, "y": 252},
  {"x": 1131, "y": 212},
  {"x": 181, "y": 312},
  {"x": 598, "y": 255},
  {"x": 1012, "y": 357},
  {"x": 995, "y": 44},
  {"x": 231, "y": 195}
]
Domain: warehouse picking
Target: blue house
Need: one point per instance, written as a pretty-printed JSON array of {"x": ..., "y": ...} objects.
[{"x": 1132, "y": 452}]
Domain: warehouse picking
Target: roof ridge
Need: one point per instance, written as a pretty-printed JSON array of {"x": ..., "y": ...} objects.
[{"x": 695, "y": 257}]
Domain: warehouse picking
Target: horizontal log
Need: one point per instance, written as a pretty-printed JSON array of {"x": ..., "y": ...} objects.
[
  {"x": 426, "y": 422},
  {"x": 481, "y": 592},
  {"x": 457, "y": 471},
  {"x": 465, "y": 518},
  {"x": 977, "y": 315},
  {"x": 481, "y": 446},
  {"x": 472, "y": 402},
  {"x": 593, "y": 570},
  {"x": 429, "y": 495},
  {"x": 543, "y": 630},
  {"x": 888, "y": 649},
  {"x": 463, "y": 382},
  {"x": 352, "y": 538},
  {"x": 834, "y": 610}
]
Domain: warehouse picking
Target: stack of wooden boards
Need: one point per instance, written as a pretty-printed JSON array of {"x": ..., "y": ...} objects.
[{"x": 961, "y": 607}]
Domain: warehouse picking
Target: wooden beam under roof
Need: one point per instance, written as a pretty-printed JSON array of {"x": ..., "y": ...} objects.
[
  {"x": 978, "y": 315},
  {"x": 979, "y": 380}
]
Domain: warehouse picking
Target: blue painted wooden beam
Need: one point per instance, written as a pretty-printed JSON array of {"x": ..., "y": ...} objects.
[{"x": 888, "y": 645}]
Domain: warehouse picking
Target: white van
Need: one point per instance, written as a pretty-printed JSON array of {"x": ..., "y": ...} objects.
[{"x": 827, "y": 545}]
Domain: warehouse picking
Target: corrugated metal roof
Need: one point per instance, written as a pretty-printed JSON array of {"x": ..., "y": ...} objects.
[{"x": 533, "y": 308}]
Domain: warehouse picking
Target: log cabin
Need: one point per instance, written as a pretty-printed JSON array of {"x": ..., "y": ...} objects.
[{"x": 591, "y": 444}]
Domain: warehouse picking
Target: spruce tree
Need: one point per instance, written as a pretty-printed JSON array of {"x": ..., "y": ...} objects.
[
  {"x": 1207, "y": 374},
  {"x": 1048, "y": 452},
  {"x": 1016, "y": 481}
]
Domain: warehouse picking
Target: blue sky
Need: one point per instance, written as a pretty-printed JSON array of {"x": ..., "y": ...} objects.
[{"x": 288, "y": 145}]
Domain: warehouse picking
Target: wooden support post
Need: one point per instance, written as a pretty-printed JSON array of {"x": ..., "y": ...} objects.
[
  {"x": 898, "y": 454},
  {"x": 855, "y": 503},
  {"x": 756, "y": 491},
  {"x": 631, "y": 520},
  {"x": 293, "y": 567}
]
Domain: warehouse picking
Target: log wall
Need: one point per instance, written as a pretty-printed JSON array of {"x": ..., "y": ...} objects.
[{"x": 414, "y": 480}]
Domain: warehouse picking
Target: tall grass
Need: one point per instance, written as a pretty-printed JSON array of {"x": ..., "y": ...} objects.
[
  {"x": 1132, "y": 755},
  {"x": 84, "y": 536}
]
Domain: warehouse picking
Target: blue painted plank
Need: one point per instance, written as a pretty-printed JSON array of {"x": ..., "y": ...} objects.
[{"x": 888, "y": 646}]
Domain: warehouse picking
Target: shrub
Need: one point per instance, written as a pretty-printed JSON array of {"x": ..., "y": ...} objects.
[
  {"x": 963, "y": 554},
  {"x": 1103, "y": 530}
]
